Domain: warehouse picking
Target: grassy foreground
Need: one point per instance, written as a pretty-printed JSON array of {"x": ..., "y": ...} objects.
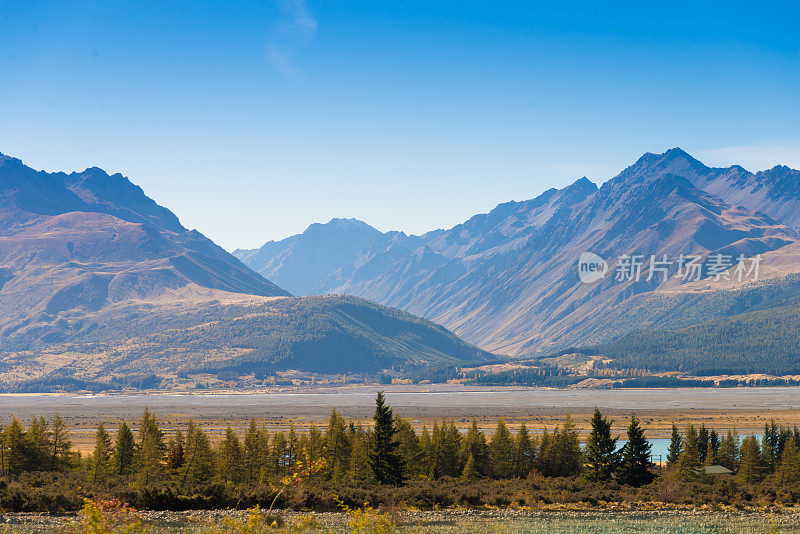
[{"x": 109, "y": 517}]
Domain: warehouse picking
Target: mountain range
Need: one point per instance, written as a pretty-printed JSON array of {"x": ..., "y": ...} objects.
[
  {"x": 507, "y": 280},
  {"x": 98, "y": 281}
]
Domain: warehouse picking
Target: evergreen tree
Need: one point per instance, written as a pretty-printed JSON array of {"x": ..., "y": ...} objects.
[
  {"x": 470, "y": 472},
  {"x": 291, "y": 447},
  {"x": 563, "y": 456},
  {"x": 448, "y": 459},
  {"x": 279, "y": 452},
  {"x": 635, "y": 465},
  {"x": 175, "y": 451},
  {"x": 689, "y": 461},
  {"x": 713, "y": 442},
  {"x": 123, "y": 450},
  {"x": 337, "y": 447},
  {"x": 702, "y": 443},
  {"x": 601, "y": 458},
  {"x": 751, "y": 468},
  {"x": 385, "y": 460},
  {"x": 231, "y": 458},
  {"x": 316, "y": 443},
  {"x": 428, "y": 451},
  {"x": 62, "y": 446},
  {"x": 711, "y": 455},
  {"x": 788, "y": 471},
  {"x": 199, "y": 465},
  {"x": 729, "y": 451},
  {"x": 150, "y": 454},
  {"x": 410, "y": 447},
  {"x": 675, "y": 447},
  {"x": 524, "y": 454},
  {"x": 474, "y": 443},
  {"x": 360, "y": 469},
  {"x": 18, "y": 452},
  {"x": 253, "y": 453},
  {"x": 501, "y": 452},
  {"x": 101, "y": 458},
  {"x": 770, "y": 447},
  {"x": 41, "y": 445}
]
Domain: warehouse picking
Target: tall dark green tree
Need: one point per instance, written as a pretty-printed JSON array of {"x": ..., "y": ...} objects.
[
  {"x": 524, "y": 452},
  {"x": 101, "y": 458},
  {"x": 385, "y": 460},
  {"x": 675, "y": 446},
  {"x": 601, "y": 458},
  {"x": 474, "y": 443},
  {"x": 122, "y": 460},
  {"x": 635, "y": 466},
  {"x": 501, "y": 452},
  {"x": 751, "y": 466},
  {"x": 61, "y": 444}
]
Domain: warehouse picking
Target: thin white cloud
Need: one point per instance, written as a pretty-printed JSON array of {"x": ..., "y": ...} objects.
[
  {"x": 753, "y": 158},
  {"x": 294, "y": 30}
]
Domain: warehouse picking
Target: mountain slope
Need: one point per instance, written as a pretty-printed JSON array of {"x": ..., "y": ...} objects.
[
  {"x": 97, "y": 280},
  {"x": 300, "y": 262},
  {"x": 508, "y": 280}
]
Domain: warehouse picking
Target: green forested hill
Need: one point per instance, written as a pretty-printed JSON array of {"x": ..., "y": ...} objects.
[{"x": 758, "y": 341}]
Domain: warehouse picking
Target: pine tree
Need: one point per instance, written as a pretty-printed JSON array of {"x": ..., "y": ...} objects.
[
  {"x": 231, "y": 458},
  {"x": 524, "y": 453},
  {"x": 41, "y": 444},
  {"x": 539, "y": 462},
  {"x": 360, "y": 469},
  {"x": 62, "y": 446},
  {"x": 689, "y": 460},
  {"x": 150, "y": 454},
  {"x": 428, "y": 451},
  {"x": 101, "y": 458},
  {"x": 501, "y": 452},
  {"x": 635, "y": 466},
  {"x": 470, "y": 472},
  {"x": 316, "y": 443},
  {"x": 17, "y": 449},
  {"x": 751, "y": 468},
  {"x": 337, "y": 447},
  {"x": 448, "y": 459},
  {"x": 199, "y": 465},
  {"x": 253, "y": 463},
  {"x": 474, "y": 443},
  {"x": 385, "y": 460},
  {"x": 278, "y": 453},
  {"x": 176, "y": 451},
  {"x": 601, "y": 448},
  {"x": 563, "y": 457},
  {"x": 729, "y": 451},
  {"x": 702, "y": 443},
  {"x": 770, "y": 447},
  {"x": 675, "y": 447},
  {"x": 410, "y": 448},
  {"x": 788, "y": 471},
  {"x": 123, "y": 451}
]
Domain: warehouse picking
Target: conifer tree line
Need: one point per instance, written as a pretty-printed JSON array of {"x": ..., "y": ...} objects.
[
  {"x": 390, "y": 452},
  {"x": 776, "y": 455}
]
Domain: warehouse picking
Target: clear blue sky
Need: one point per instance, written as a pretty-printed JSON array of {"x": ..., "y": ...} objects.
[{"x": 252, "y": 120}]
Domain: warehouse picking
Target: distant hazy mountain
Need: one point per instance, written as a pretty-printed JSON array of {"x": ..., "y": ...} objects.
[
  {"x": 92, "y": 268},
  {"x": 299, "y": 263},
  {"x": 508, "y": 280}
]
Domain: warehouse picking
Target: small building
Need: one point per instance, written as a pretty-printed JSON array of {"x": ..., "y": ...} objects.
[{"x": 716, "y": 470}]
